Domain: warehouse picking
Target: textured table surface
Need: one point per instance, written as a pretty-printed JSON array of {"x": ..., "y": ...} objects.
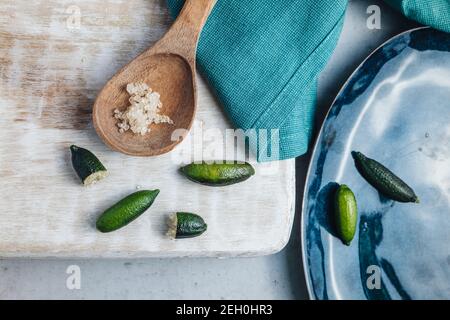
[{"x": 278, "y": 276}]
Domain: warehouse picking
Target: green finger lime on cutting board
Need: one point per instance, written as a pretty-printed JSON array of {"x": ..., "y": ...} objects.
[
  {"x": 218, "y": 174},
  {"x": 87, "y": 166},
  {"x": 185, "y": 225},
  {"x": 126, "y": 210}
]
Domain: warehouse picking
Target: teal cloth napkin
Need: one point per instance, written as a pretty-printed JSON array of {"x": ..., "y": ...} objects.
[
  {"x": 262, "y": 58},
  {"x": 434, "y": 13}
]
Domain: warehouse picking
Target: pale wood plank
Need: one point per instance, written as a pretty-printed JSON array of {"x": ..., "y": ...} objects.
[{"x": 49, "y": 77}]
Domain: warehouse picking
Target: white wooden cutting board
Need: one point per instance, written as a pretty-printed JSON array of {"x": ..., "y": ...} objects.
[{"x": 54, "y": 58}]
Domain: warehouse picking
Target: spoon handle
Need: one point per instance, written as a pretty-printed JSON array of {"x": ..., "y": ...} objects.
[{"x": 182, "y": 37}]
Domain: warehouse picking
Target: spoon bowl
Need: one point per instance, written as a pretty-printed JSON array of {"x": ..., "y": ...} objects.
[{"x": 169, "y": 69}]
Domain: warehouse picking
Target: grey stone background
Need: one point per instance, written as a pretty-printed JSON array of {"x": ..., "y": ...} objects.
[{"x": 279, "y": 276}]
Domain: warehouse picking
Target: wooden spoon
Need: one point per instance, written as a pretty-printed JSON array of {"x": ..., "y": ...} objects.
[{"x": 168, "y": 68}]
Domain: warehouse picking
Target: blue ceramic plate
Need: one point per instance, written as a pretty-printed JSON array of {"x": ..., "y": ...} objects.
[{"x": 396, "y": 109}]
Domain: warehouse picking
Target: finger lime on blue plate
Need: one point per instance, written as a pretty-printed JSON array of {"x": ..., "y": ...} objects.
[{"x": 383, "y": 179}]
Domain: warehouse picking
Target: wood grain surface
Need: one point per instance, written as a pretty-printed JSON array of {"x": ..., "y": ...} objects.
[{"x": 55, "y": 56}]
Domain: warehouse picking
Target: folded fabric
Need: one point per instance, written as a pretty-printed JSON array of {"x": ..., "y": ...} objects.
[
  {"x": 262, "y": 58},
  {"x": 434, "y": 13}
]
